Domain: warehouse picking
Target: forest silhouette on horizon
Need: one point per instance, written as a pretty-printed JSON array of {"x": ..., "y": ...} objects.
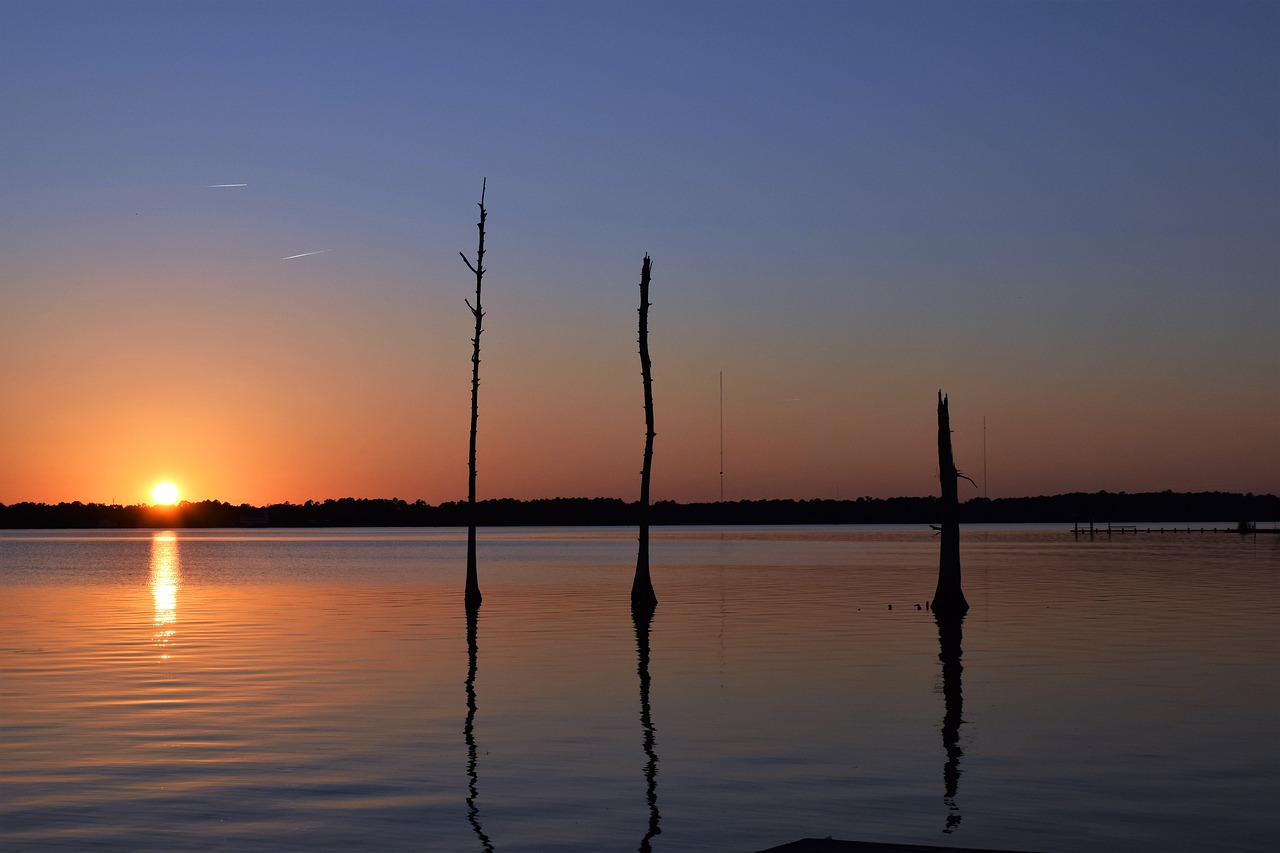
[{"x": 1101, "y": 507}]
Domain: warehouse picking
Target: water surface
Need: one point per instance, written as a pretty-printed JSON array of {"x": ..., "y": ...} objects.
[{"x": 321, "y": 690}]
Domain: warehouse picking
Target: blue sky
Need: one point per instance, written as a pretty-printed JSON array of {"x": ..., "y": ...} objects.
[{"x": 1067, "y": 215}]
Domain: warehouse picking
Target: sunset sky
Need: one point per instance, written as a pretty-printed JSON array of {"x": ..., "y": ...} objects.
[{"x": 1065, "y": 215}]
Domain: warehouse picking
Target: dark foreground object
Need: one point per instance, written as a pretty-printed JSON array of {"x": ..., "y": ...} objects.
[
  {"x": 948, "y": 598},
  {"x": 831, "y": 845}
]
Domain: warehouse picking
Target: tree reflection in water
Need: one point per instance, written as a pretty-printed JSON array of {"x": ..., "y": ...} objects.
[
  {"x": 643, "y": 617},
  {"x": 950, "y": 635},
  {"x": 469, "y": 731}
]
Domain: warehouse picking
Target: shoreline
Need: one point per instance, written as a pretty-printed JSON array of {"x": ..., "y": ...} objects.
[{"x": 1099, "y": 512}]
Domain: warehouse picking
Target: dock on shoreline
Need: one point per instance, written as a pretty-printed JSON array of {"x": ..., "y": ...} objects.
[{"x": 1092, "y": 529}]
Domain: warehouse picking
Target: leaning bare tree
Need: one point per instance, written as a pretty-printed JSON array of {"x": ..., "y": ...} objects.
[
  {"x": 642, "y": 595},
  {"x": 473, "y": 582},
  {"x": 948, "y": 598}
]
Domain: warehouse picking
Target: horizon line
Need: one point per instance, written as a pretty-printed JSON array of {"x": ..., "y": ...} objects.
[{"x": 861, "y": 498}]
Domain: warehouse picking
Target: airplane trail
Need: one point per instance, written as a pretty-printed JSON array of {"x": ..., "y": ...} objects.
[
  {"x": 215, "y": 186},
  {"x": 304, "y": 254}
]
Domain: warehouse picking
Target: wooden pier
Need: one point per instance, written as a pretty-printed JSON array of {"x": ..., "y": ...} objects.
[{"x": 1091, "y": 529}]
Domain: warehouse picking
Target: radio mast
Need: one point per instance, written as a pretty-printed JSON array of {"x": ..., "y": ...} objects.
[
  {"x": 984, "y": 457},
  {"x": 722, "y": 436}
]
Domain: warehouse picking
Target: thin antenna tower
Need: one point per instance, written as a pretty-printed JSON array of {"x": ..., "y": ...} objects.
[
  {"x": 984, "y": 457},
  {"x": 722, "y": 436}
]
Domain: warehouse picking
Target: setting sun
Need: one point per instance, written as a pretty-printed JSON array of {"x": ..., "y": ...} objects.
[{"x": 164, "y": 493}]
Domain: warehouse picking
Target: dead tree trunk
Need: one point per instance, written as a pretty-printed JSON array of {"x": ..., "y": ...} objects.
[
  {"x": 948, "y": 597},
  {"x": 473, "y": 582},
  {"x": 642, "y": 595}
]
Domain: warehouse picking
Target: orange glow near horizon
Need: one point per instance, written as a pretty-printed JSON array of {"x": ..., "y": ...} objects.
[{"x": 560, "y": 420}]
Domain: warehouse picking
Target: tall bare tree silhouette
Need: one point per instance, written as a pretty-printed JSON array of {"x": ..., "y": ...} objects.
[
  {"x": 642, "y": 596},
  {"x": 473, "y": 583},
  {"x": 949, "y": 597}
]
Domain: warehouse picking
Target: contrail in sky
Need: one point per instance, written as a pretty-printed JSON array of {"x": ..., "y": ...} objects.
[
  {"x": 214, "y": 186},
  {"x": 304, "y": 254}
]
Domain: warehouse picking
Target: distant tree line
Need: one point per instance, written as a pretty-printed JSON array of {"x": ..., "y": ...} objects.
[{"x": 1099, "y": 507}]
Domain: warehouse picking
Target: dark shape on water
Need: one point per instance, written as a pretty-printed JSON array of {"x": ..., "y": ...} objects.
[
  {"x": 643, "y": 598},
  {"x": 949, "y": 596},
  {"x": 642, "y": 622},
  {"x": 473, "y": 581},
  {"x": 950, "y": 636},
  {"x": 469, "y": 731},
  {"x": 835, "y": 845}
]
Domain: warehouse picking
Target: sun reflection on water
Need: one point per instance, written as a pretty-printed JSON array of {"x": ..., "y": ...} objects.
[{"x": 164, "y": 587}]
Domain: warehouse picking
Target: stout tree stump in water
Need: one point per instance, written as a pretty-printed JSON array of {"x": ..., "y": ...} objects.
[{"x": 949, "y": 596}]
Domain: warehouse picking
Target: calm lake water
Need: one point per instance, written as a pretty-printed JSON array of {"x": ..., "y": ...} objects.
[{"x": 321, "y": 690}]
